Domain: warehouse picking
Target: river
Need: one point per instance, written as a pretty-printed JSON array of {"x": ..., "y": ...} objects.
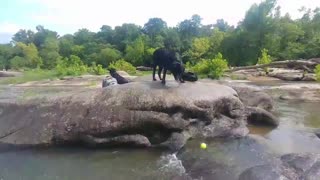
[{"x": 223, "y": 159}]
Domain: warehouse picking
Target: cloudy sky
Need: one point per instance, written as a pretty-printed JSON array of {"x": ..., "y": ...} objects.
[{"x": 67, "y": 16}]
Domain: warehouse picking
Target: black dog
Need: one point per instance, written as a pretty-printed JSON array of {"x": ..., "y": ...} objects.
[
  {"x": 120, "y": 79},
  {"x": 189, "y": 76},
  {"x": 167, "y": 60}
]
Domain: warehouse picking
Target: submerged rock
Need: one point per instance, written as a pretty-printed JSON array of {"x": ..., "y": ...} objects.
[
  {"x": 137, "y": 114},
  {"x": 289, "y": 166}
]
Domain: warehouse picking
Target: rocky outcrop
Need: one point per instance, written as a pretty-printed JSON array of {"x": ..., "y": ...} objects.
[
  {"x": 137, "y": 114},
  {"x": 9, "y": 74},
  {"x": 308, "y": 95},
  {"x": 317, "y": 133},
  {"x": 289, "y": 167},
  {"x": 258, "y": 105}
]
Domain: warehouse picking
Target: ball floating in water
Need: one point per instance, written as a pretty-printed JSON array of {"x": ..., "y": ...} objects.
[{"x": 203, "y": 146}]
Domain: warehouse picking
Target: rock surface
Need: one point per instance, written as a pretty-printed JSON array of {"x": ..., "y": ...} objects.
[
  {"x": 289, "y": 167},
  {"x": 139, "y": 114}
]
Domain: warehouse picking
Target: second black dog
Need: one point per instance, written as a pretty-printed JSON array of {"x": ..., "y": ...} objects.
[
  {"x": 190, "y": 76},
  {"x": 120, "y": 79},
  {"x": 167, "y": 60}
]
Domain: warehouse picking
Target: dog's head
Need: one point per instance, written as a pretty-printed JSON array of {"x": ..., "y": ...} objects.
[
  {"x": 112, "y": 71},
  {"x": 177, "y": 69}
]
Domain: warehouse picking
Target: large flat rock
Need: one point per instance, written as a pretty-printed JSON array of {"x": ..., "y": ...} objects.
[{"x": 143, "y": 114}]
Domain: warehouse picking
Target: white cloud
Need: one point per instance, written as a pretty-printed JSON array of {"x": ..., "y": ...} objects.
[{"x": 9, "y": 28}]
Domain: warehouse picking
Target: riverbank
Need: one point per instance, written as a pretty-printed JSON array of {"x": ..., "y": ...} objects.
[{"x": 224, "y": 158}]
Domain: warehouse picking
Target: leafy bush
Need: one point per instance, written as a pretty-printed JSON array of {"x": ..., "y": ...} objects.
[
  {"x": 214, "y": 68},
  {"x": 97, "y": 69},
  {"x": 72, "y": 66},
  {"x": 317, "y": 71},
  {"x": 265, "y": 58},
  {"x": 123, "y": 65},
  {"x": 17, "y": 63}
]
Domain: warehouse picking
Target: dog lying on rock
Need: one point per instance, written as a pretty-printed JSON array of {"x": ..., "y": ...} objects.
[{"x": 120, "y": 79}]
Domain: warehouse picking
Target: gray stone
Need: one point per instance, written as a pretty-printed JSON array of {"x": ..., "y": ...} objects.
[
  {"x": 137, "y": 114},
  {"x": 262, "y": 172}
]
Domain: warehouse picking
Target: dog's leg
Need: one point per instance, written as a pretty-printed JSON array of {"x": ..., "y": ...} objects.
[
  {"x": 164, "y": 75},
  {"x": 154, "y": 72},
  {"x": 181, "y": 79},
  {"x": 159, "y": 72}
]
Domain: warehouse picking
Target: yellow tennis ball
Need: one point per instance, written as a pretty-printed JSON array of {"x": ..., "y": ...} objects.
[{"x": 203, "y": 146}]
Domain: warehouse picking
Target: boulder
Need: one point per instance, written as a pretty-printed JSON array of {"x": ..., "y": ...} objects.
[
  {"x": 9, "y": 74},
  {"x": 289, "y": 166},
  {"x": 262, "y": 172},
  {"x": 308, "y": 95},
  {"x": 318, "y": 133},
  {"x": 254, "y": 97},
  {"x": 137, "y": 114}
]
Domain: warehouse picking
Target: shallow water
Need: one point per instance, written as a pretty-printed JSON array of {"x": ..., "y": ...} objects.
[{"x": 223, "y": 159}]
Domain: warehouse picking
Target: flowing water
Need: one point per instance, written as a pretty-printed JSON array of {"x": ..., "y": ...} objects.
[{"x": 223, "y": 159}]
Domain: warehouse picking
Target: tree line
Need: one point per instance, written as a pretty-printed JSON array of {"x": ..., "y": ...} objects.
[{"x": 263, "y": 29}]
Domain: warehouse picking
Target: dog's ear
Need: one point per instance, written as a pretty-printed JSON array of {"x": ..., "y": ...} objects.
[{"x": 112, "y": 70}]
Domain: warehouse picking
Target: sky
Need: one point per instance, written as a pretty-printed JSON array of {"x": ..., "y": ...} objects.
[{"x": 67, "y": 16}]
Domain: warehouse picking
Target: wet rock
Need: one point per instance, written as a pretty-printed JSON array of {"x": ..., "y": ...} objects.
[
  {"x": 309, "y": 77},
  {"x": 258, "y": 116},
  {"x": 143, "y": 114},
  {"x": 289, "y": 76},
  {"x": 258, "y": 105},
  {"x": 289, "y": 166},
  {"x": 309, "y": 95},
  {"x": 262, "y": 172},
  {"x": 254, "y": 97},
  {"x": 318, "y": 133},
  {"x": 131, "y": 140},
  {"x": 128, "y": 114},
  {"x": 203, "y": 166},
  {"x": 313, "y": 173}
]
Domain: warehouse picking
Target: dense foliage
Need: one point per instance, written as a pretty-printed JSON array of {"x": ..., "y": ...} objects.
[
  {"x": 123, "y": 65},
  {"x": 317, "y": 71},
  {"x": 213, "y": 68},
  {"x": 264, "y": 32}
]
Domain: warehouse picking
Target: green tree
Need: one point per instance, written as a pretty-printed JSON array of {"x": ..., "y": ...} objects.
[
  {"x": 6, "y": 53},
  {"x": 30, "y": 54},
  {"x": 125, "y": 34},
  {"x": 135, "y": 52},
  {"x": 24, "y": 36},
  {"x": 66, "y": 45},
  {"x": 83, "y": 36},
  {"x": 105, "y": 35},
  {"x": 155, "y": 29},
  {"x": 42, "y": 35},
  {"x": 17, "y": 62},
  {"x": 200, "y": 47},
  {"x": 107, "y": 56},
  {"x": 50, "y": 53}
]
